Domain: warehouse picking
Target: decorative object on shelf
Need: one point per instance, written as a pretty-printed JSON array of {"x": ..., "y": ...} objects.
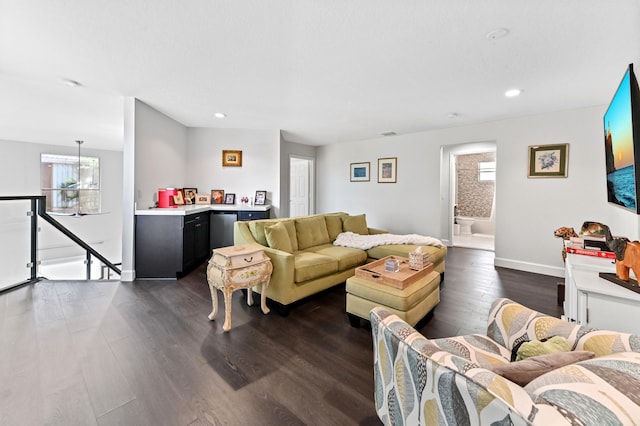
[
  {"x": 217, "y": 196},
  {"x": 231, "y": 158},
  {"x": 244, "y": 200},
  {"x": 387, "y": 170},
  {"x": 548, "y": 161},
  {"x": 189, "y": 195},
  {"x": 230, "y": 198},
  {"x": 203, "y": 199},
  {"x": 178, "y": 199},
  {"x": 261, "y": 198},
  {"x": 359, "y": 172},
  {"x": 566, "y": 233}
]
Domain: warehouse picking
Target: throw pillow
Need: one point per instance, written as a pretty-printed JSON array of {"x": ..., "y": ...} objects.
[
  {"x": 522, "y": 372},
  {"x": 356, "y": 224},
  {"x": 278, "y": 237},
  {"x": 540, "y": 347},
  {"x": 334, "y": 225},
  {"x": 311, "y": 232}
]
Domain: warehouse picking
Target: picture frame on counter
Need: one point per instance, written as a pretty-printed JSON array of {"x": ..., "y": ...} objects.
[
  {"x": 178, "y": 199},
  {"x": 203, "y": 199},
  {"x": 261, "y": 198},
  {"x": 189, "y": 195},
  {"x": 217, "y": 196},
  {"x": 230, "y": 198},
  {"x": 231, "y": 158}
]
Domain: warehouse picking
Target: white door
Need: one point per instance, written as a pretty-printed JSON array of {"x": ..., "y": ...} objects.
[{"x": 299, "y": 191}]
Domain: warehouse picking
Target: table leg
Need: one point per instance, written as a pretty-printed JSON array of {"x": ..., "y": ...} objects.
[
  {"x": 227, "y": 308},
  {"x": 263, "y": 297},
  {"x": 249, "y": 297},
  {"x": 214, "y": 302}
]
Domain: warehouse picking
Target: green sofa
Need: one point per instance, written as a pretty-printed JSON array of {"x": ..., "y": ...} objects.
[{"x": 304, "y": 259}]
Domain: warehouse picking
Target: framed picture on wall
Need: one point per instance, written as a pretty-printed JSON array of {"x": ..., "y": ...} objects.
[
  {"x": 231, "y": 158},
  {"x": 230, "y": 198},
  {"x": 217, "y": 196},
  {"x": 548, "y": 161},
  {"x": 387, "y": 170},
  {"x": 359, "y": 172},
  {"x": 261, "y": 198},
  {"x": 189, "y": 195}
]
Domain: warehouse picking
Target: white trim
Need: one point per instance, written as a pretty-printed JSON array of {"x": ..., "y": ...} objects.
[{"x": 536, "y": 268}]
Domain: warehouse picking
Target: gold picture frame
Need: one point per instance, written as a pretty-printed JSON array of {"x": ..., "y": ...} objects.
[
  {"x": 548, "y": 161},
  {"x": 231, "y": 158}
]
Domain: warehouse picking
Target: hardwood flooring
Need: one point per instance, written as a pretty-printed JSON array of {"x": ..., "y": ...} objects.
[{"x": 144, "y": 353}]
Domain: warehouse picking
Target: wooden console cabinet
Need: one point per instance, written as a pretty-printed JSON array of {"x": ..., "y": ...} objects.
[{"x": 595, "y": 302}]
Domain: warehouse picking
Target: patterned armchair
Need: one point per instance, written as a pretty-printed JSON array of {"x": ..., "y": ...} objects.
[{"x": 449, "y": 381}]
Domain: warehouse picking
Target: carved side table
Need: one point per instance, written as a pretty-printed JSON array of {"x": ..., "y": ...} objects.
[{"x": 236, "y": 267}]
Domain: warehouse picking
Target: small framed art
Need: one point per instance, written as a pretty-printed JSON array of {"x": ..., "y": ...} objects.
[
  {"x": 387, "y": 170},
  {"x": 178, "y": 199},
  {"x": 189, "y": 195},
  {"x": 203, "y": 199},
  {"x": 548, "y": 161},
  {"x": 261, "y": 198},
  {"x": 217, "y": 196},
  {"x": 230, "y": 198},
  {"x": 232, "y": 158},
  {"x": 359, "y": 172}
]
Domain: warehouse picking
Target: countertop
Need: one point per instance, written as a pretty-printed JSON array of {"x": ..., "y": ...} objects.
[{"x": 198, "y": 208}]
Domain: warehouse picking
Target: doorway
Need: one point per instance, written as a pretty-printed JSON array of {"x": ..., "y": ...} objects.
[
  {"x": 468, "y": 204},
  {"x": 301, "y": 187}
]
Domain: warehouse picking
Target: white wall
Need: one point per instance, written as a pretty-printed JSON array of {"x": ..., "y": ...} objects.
[
  {"x": 260, "y": 162},
  {"x": 20, "y": 175},
  {"x": 527, "y": 210}
]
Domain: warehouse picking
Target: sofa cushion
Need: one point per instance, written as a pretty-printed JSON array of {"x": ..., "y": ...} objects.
[
  {"x": 356, "y": 224},
  {"x": 308, "y": 265},
  {"x": 523, "y": 372},
  {"x": 346, "y": 257},
  {"x": 311, "y": 231},
  {"x": 278, "y": 237},
  {"x": 436, "y": 254},
  {"x": 257, "y": 230},
  {"x": 334, "y": 225},
  {"x": 541, "y": 347}
]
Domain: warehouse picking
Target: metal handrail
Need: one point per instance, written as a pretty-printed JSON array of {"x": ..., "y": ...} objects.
[{"x": 38, "y": 205}]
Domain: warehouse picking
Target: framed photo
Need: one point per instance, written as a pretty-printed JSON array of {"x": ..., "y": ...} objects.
[
  {"x": 232, "y": 158},
  {"x": 360, "y": 172},
  {"x": 548, "y": 161},
  {"x": 230, "y": 198},
  {"x": 189, "y": 195},
  {"x": 261, "y": 198},
  {"x": 178, "y": 199},
  {"x": 217, "y": 196},
  {"x": 203, "y": 199},
  {"x": 387, "y": 170}
]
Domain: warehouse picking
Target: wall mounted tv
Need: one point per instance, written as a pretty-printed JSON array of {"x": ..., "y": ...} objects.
[{"x": 622, "y": 144}]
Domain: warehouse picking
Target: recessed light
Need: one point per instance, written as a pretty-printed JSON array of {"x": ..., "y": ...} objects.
[
  {"x": 497, "y": 33},
  {"x": 219, "y": 115},
  {"x": 70, "y": 83},
  {"x": 512, "y": 93},
  {"x": 388, "y": 134}
]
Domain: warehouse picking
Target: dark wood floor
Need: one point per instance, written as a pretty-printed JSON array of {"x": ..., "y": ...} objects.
[{"x": 144, "y": 353}]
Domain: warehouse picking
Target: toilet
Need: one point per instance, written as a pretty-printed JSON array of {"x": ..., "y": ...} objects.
[{"x": 465, "y": 225}]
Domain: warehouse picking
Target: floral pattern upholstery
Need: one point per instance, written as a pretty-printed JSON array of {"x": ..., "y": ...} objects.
[{"x": 446, "y": 381}]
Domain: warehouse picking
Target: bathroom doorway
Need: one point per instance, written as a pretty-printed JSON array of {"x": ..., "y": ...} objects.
[{"x": 468, "y": 177}]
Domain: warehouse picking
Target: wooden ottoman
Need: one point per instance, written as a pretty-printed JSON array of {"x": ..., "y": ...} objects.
[{"x": 411, "y": 300}]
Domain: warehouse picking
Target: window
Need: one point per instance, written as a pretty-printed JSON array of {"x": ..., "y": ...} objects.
[
  {"x": 487, "y": 171},
  {"x": 70, "y": 187}
]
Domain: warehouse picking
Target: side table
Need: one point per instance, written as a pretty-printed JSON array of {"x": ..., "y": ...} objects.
[{"x": 237, "y": 267}]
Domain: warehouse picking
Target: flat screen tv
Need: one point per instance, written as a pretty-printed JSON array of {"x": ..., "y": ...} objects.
[{"x": 622, "y": 144}]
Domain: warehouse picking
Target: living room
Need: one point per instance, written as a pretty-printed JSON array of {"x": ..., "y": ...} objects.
[{"x": 158, "y": 147}]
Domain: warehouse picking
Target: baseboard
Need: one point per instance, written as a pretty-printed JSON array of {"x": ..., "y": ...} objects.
[
  {"x": 536, "y": 268},
  {"x": 128, "y": 276}
]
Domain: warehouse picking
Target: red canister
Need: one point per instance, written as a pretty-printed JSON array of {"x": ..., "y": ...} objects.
[{"x": 165, "y": 197}]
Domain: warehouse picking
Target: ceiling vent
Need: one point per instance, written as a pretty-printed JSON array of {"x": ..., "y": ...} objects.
[{"x": 388, "y": 134}]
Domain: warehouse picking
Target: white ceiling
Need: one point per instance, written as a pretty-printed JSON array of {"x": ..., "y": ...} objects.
[{"x": 321, "y": 71}]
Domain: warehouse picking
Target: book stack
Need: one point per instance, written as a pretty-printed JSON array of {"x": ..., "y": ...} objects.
[{"x": 587, "y": 245}]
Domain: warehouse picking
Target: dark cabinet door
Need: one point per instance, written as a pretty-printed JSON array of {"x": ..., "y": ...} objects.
[
  {"x": 188, "y": 243},
  {"x": 201, "y": 241}
]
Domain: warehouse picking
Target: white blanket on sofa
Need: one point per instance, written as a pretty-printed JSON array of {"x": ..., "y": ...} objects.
[{"x": 365, "y": 242}]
